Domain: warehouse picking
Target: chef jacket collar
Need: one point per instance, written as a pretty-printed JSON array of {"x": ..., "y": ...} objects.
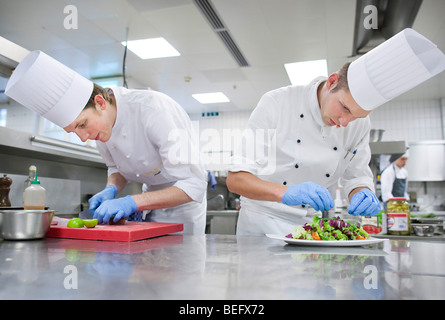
[
  {"x": 314, "y": 105},
  {"x": 118, "y": 124}
]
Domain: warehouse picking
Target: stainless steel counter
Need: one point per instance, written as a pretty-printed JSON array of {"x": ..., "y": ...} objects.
[{"x": 219, "y": 267}]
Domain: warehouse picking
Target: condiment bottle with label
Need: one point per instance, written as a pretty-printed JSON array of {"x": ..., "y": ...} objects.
[
  {"x": 399, "y": 217},
  {"x": 34, "y": 196}
]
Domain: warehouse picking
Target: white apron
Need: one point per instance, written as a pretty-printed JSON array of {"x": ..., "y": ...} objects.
[{"x": 299, "y": 148}]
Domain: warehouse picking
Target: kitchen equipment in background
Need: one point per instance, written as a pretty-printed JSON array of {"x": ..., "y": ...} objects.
[
  {"x": 436, "y": 222},
  {"x": 130, "y": 231},
  {"x": 376, "y": 135},
  {"x": 426, "y": 161},
  {"x": 24, "y": 224},
  {"x": 5, "y": 187},
  {"x": 34, "y": 196},
  {"x": 216, "y": 203},
  {"x": 424, "y": 230}
]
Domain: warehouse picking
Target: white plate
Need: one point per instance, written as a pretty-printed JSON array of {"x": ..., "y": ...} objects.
[{"x": 346, "y": 243}]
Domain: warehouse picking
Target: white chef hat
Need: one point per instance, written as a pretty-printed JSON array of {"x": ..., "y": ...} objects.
[
  {"x": 392, "y": 68},
  {"x": 49, "y": 88}
]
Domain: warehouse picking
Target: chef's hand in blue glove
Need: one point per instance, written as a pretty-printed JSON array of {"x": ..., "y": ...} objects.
[
  {"x": 364, "y": 203},
  {"x": 119, "y": 208},
  {"x": 309, "y": 193},
  {"x": 106, "y": 194}
]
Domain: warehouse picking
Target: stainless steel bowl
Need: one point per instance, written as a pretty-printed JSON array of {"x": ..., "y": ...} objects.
[
  {"x": 423, "y": 230},
  {"x": 24, "y": 224}
]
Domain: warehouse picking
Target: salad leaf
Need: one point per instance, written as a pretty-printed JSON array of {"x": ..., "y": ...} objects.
[{"x": 334, "y": 229}]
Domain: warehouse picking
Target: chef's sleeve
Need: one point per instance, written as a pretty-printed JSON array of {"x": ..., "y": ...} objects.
[
  {"x": 255, "y": 151},
  {"x": 358, "y": 173},
  {"x": 170, "y": 130}
]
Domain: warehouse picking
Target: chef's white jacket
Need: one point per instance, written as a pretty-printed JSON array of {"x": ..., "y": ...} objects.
[
  {"x": 286, "y": 142},
  {"x": 152, "y": 143},
  {"x": 387, "y": 180}
]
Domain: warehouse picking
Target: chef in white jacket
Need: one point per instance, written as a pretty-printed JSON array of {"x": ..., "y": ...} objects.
[
  {"x": 301, "y": 141},
  {"x": 394, "y": 178},
  {"x": 143, "y": 136}
]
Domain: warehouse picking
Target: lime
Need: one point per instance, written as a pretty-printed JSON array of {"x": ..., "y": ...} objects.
[
  {"x": 90, "y": 223},
  {"x": 75, "y": 223}
]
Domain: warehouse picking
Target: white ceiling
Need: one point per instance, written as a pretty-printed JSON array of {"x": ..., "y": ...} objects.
[{"x": 269, "y": 33}]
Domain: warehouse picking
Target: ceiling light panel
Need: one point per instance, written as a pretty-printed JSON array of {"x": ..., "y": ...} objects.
[
  {"x": 301, "y": 73},
  {"x": 152, "y": 48},
  {"x": 213, "y": 97}
]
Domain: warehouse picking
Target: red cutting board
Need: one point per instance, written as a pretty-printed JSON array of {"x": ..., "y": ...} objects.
[{"x": 130, "y": 231}]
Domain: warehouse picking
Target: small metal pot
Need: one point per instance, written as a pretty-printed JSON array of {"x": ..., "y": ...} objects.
[
  {"x": 24, "y": 224},
  {"x": 423, "y": 230}
]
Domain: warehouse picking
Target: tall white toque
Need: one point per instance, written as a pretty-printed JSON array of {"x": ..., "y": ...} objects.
[
  {"x": 394, "y": 67},
  {"x": 49, "y": 88}
]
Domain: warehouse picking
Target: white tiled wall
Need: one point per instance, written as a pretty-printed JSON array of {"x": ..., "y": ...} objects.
[{"x": 409, "y": 120}]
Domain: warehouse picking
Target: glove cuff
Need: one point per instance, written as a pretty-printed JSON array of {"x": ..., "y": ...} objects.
[
  {"x": 113, "y": 188},
  {"x": 132, "y": 203}
]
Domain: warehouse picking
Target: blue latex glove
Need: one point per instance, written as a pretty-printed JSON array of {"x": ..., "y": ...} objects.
[
  {"x": 119, "y": 208},
  {"x": 364, "y": 203},
  {"x": 309, "y": 193},
  {"x": 106, "y": 194}
]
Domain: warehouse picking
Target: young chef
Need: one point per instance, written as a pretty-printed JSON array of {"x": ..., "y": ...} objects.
[
  {"x": 308, "y": 139},
  {"x": 143, "y": 136},
  {"x": 394, "y": 178}
]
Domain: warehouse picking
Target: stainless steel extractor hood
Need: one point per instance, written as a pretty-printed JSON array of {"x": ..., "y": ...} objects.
[
  {"x": 10, "y": 56},
  {"x": 393, "y": 17}
]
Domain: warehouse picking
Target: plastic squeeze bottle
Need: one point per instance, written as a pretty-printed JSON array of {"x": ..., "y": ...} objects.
[{"x": 34, "y": 196}]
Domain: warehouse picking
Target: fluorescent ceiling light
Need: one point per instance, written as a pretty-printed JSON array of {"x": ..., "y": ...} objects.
[
  {"x": 152, "y": 48},
  {"x": 301, "y": 73},
  {"x": 214, "y": 97}
]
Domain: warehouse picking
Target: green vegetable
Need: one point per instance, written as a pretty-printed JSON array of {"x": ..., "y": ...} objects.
[
  {"x": 75, "y": 223},
  {"x": 334, "y": 229}
]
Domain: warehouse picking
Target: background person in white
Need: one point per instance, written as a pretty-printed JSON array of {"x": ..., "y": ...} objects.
[
  {"x": 143, "y": 136},
  {"x": 394, "y": 179}
]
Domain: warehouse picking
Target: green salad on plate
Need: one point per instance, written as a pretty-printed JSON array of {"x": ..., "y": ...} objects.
[{"x": 334, "y": 229}]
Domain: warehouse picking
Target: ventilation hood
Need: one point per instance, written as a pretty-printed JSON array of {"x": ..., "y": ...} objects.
[
  {"x": 10, "y": 56},
  {"x": 393, "y": 17}
]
